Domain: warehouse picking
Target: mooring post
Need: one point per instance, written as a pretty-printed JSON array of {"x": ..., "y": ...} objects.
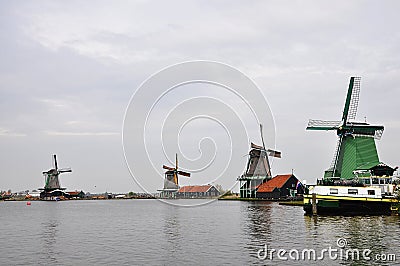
[{"x": 314, "y": 204}]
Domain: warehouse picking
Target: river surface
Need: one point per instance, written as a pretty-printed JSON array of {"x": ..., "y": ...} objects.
[{"x": 150, "y": 232}]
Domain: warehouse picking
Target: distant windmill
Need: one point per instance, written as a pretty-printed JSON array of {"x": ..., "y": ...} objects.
[
  {"x": 171, "y": 176},
  {"x": 356, "y": 149},
  {"x": 51, "y": 177}
]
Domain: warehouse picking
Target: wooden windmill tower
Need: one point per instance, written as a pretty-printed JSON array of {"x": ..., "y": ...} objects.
[
  {"x": 171, "y": 181},
  {"x": 258, "y": 169},
  {"x": 52, "y": 187},
  {"x": 356, "y": 150}
]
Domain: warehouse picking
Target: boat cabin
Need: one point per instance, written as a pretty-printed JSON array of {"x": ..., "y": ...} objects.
[{"x": 347, "y": 191}]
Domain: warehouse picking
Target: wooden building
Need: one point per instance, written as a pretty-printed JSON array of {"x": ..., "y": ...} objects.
[
  {"x": 204, "y": 191},
  {"x": 280, "y": 187},
  {"x": 75, "y": 194},
  {"x": 257, "y": 172}
]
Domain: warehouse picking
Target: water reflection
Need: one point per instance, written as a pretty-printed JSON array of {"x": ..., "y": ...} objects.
[
  {"x": 171, "y": 233},
  {"x": 376, "y": 233},
  {"x": 256, "y": 224},
  {"x": 49, "y": 241},
  {"x": 48, "y": 238}
]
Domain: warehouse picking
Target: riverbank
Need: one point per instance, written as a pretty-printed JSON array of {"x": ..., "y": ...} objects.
[{"x": 288, "y": 202}]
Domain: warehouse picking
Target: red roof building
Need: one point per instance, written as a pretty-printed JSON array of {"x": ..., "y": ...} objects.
[
  {"x": 203, "y": 191},
  {"x": 281, "y": 186}
]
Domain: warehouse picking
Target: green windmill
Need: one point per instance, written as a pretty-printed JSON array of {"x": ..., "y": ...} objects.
[{"x": 356, "y": 153}]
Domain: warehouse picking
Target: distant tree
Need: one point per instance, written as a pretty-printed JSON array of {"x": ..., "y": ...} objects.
[
  {"x": 131, "y": 194},
  {"x": 220, "y": 188}
]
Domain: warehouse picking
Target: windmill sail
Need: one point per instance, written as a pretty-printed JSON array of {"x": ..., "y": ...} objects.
[
  {"x": 352, "y": 99},
  {"x": 65, "y": 170},
  {"x": 355, "y": 98},
  {"x": 332, "y": 170},
  {"x": 274, "y": 153},
  {"x": 323, "y": 125},
  {"x": 55, "y": 162},
  {"x": 254, "y": 146}
]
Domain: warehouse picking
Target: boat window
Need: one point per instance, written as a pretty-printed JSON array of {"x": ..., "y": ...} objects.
[
  {"x": 353, "y": 191},
  {"x": 367, "y": 181},
  {"x": 333, "y": 191},
  {"x": 371, "y": 192}
]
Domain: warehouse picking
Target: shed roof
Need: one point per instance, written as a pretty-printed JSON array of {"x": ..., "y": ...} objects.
[
  {"x": 194, "y": 189},
  {"x": 277, "y": 182}
]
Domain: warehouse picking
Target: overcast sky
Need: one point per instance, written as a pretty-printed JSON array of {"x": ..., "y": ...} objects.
[{"x": 68, "y": 70}]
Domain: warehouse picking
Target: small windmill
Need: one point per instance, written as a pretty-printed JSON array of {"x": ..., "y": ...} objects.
[
  {"x": 51, "y": 177},
  {"x": 356, "y": 149},
  {"x": 171, "y": 181}
]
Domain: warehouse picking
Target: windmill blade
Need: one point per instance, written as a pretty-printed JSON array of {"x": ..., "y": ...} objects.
[
  {"x": 352, "y": 98},
  {"x": 336, "y": 155},
  {"x": 168, "y": 168},
  {"x": 274, "y": 153},
  {"x": 262, "y": 137},
  {"x": 176, "y": 179},
  {"x": 376, "y": 135},
  {"x": 55, "y": 162},
  {"x": 254, "y": 146},
  {"x": 323, "y": 125},
  {"x": 372, "y": 131},
  {"x": 355, "y": 98},
  {"x": 184, "y": 173},
  {"x": 65, "y": 170}
]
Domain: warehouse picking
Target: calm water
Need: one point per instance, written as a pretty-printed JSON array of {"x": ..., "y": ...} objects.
[{"x": 138, "y": 232}]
